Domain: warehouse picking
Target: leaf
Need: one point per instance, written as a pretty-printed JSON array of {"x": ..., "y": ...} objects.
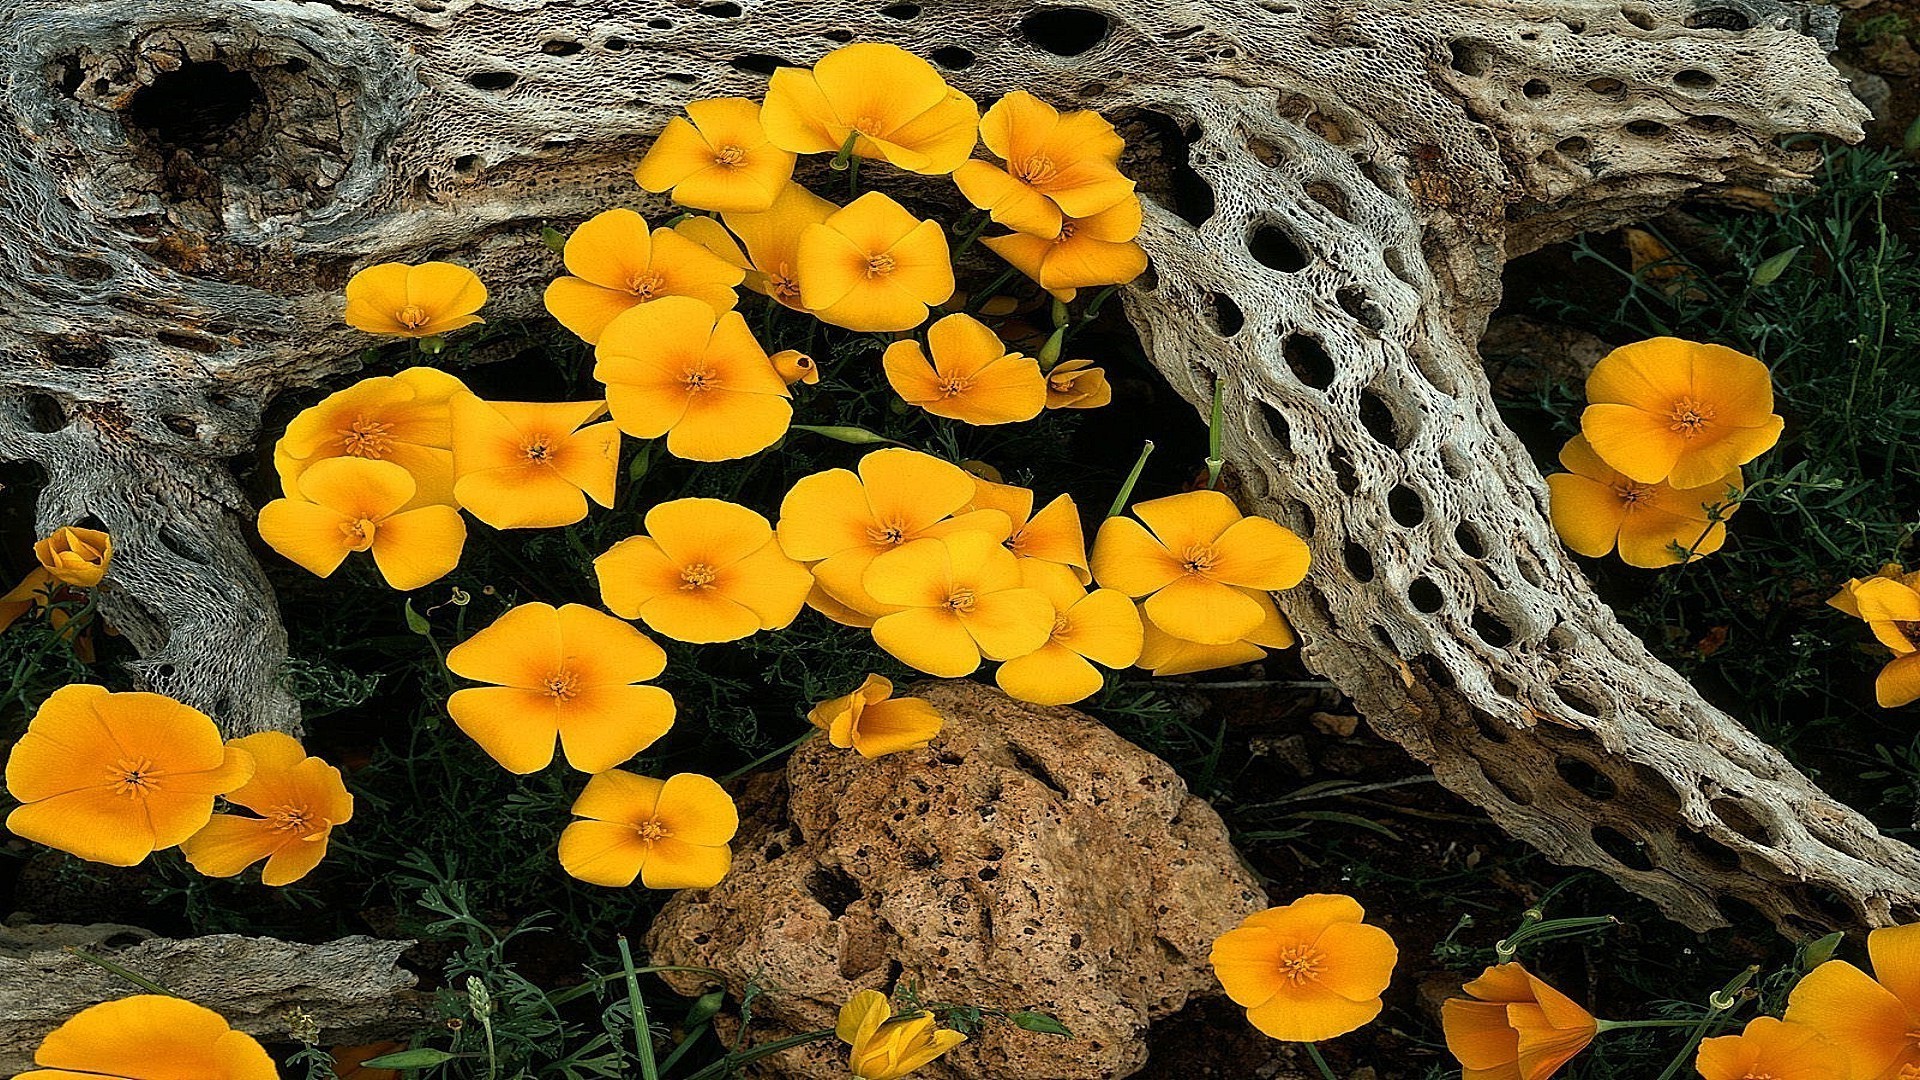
[
  {"x": 1769, "y": 272},
  {"x": 422, "y": 1058},
  {"x": 642, "y": 461},
  {"x": 1820, "y": 950},
  {"x": 553, "y": 238},
  {"x": 1027, "y": 1020},
  {"x": 417, "y": 622},
  {"x": 704, "y": 1008},
  {"x": 1342, "y": 818}
]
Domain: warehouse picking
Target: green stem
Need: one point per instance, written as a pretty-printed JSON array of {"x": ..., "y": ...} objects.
[
  {"x": 727, "y": 1064},
  {"x": 637, "y": 1012},
  {"x": 1214, "y": 461},
  {"x": 844, "y": 158},
  {"x": 1326, "y": 1070},
  {"x": 1605, "y": 1026},
  {"x": 104, "y": 964},
  {"x": 972, "y": 235},
  {"x": 979, "y": 299},
  {"x": 1126, "y": 489},
  {"x": 1721, "y": 1002},
  {"x": 853, "y": 179},
  {"x": 770, "y": 755}
]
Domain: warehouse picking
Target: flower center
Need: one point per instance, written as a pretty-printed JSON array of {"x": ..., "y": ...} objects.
[
  {"x": 700, "y": 380},
  {"x": 888, "y": 533},
  {"x": 879, "y": 265},
  {"x": 960, "y": 601},
  {"x": 1066, "y": 233},
  {"x": 1689, "y": 417},
  {"x": 359, "y": 533},
  {"x": 1060, "y": 624},
  {"x": 1035, "y": 170},
  {"x": 954, "y": 386},
  {"x": 1632, "y": 494},
  {"x": 1299, "y": 964},
  {"x": 730, "y": 156},
  {"x": 785, "y": 285},
  {"x": 1199, "y": 559},
  {"x": 413, "y": 316},
  {"x": 644, "y": 284},
  {"x": 132, "y": 776},
  {"x": 562, "y": 685},
  {"x": 293, "y": 819},
  {"x": 537, "y": 451},
  {"x": 1060, "y": 384},
  {"x": 366, "y": 438},
  {"x": 698, "y": 576},
  {"x": 651, "y": 829},
  {"x": 867, "y": 125}
]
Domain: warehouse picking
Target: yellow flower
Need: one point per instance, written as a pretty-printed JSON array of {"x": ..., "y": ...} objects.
[
  {"x": 568, "y": 672},
  {"x": 901, "y": 108},
  {"x": 401, "y": 418},
  {"x": 1514, "y": 1027},
  {"x": 1077, "y": 384},
  {"x": 874, "y": 267},
  {"x": 1870, "y": 1020},
  {"x": 874, "y": 722},
  {"x": 349, "y": 504},
  {"x": 1101, "y": 627},
  {"x": 529, "y": 464},
  {"x": 1595, "y": 506},
  {"x": 956, "y": 599},
  {"x": 671, "y": 369},
  {"x": 1308, "y": 971},
  {"x": 971, "y": 377},
  {"x": 795, "y": 366},
  {"x": 300, "y": 800},
  {"x": 1193, "y": 566},
  {"x": 772, "y": 241},
  {"x": 1890, "y": 604},
  {"x": 1089, "y": 251},
  {"x": 149, "y": 1037},
  {"x": 671, "y": 834},
  {"x": 113, "y": 778},
  {"x": 721, "y": 160},
  {"x": 1679, "y": 411},
  {"x": 1773, "y": 1049},
  {"x": 1053, "y": 535},
  {"x": 705, "y": 571},
  {"x": 1163, "y": 654},
  {"x": 71, "y": 556},
  {"x": 414, "y": 301},
  {"x": 616, "y": 265},
  {"x": 1057, "y": 166},
  {"x": 884, "y": 1048}
]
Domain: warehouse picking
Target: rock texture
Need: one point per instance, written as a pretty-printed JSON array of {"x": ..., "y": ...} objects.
[{"x": 1029, "y": 858}]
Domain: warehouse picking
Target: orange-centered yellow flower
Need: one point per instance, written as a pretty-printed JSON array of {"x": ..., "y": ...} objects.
[
  {"x": 1596, "y": 507},
  {"x": 671, "y": 834},
  {"x": 893, "y": 104},
  {"x": 1308, "y": 971},
  {"x": 1194, "y": 563},
  {"x": 529, "y": 464},
  {"x": 1163, "y": 654},
  {"x": 971, "y": 376},
  {"x": 705, "y": 571},
  {"x": 401, "y": 418},
  {"x": 617, "y": 265},
  {"x": 1053, "y": 535},
  {"x": 1770, "y": 1049},
  {"x": 566, "y": 672},
  {"x": 149, "y": 1037},
  {"x": 872, "y": 266},
  {"x": 772, "y": 241},
  {"x": 874, "y": 722},
  {"x": 1679, "y": 411},
  {"x": 414, "y": 301},
  {"x": 672, "y": 369},
  {"x": 1101, "y": 627},
  {"x": 1514, "y": 1027},
  {"x": 1057, "y": 166},
  {"x": 1077, "y": 384},
  {"x": 720, "y": 160},
  {"x": 349, "y": 504},
  {"x": 1890, "y": 605},
  {"x": 1870, "y": 1020},
  {"x": 299, "y": 799},
  {"x": 957, "y": 599},
  {"x": 883, "y": 1048},
  {"x": 70, "y": 556},
  {"x": 113, "y": 778},
  {"x": 1087, "y": 252}
]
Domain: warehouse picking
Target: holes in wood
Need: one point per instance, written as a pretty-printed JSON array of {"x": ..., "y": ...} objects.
[
  {"x": 1574, "y": 148},
  {"x": 1628, "y": 852},
  {"x": 1468, "y": 57},
  {"x": 1715, "y": 853},
  {"x": 492, "y": 80},
  {"x": 1406, "y": 506},
  {"x": 720, "y": 10},
  {"x": 561, "y": 47},
  {"x": 758, "y": 63},
  {"x": 1734, "y": 815},
  {"x": 1308, "y": 361},
  {"x": 1537, "y": 89},
  {"x": 43, "y": 412},
  {"x": 1277, "y": 426},
  {"x": 833, "y": 889},
  {"x": 1356, "y": 303},
  {"x": 1638, "y": 16},
  {"x": 1712, "y": 125},
  {"x": 952, "y": 57},
  {"x": 1377, "y": 418},
  {"x": 1359, "y": 562},
  {"x": 1646, "y": 129},
  {"x": 1228, "y": 319},
  {"x": 1330, "y": 197},
  {"x": 1695, "y": 79},
  {"x": 1163, "y": 140},
  {"x": 1273, "y": 247},
  {"x": 1608, "y": 87},
  {"x": 1468, "y": 537},
  {"x": 1585, "y": 779},
  {"x": 199, "y": 106},
  {"x": 1064, "y": 31},
  {"x": 1425, "y": 595},
  {"x": 75, "y": 352},
  {"x": 901, "y": 11},
  {"x": 1492, "y": 630},
  {"x": 1343, "y": 473},
  {"x": 1720, "y": 18}
]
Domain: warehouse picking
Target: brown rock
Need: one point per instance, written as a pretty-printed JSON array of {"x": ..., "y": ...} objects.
[{"x": 1029, "y": 858}]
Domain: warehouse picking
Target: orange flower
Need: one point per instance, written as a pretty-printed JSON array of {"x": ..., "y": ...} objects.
[
  {"x": 772, "y": 241},
  {"x": 671, "y": 369},
  {"x": 1890, "y": 605},
  {"x": 795, "y": 366},
  {"x": 1101, "y": 627},
  {"x": 1089, "y": 251},
  {"x": 1870, "y": 1020},
  {"x": 874, "y": 267},
  {"x": 414, "y": 301},
  {"x": 350, "y": 504},
  {"x": 874, "y": 722},
  {"x": 1053, "y": 535},
  {"x": 1077, "y": 384},
  {"x": 671, "y": 834},
  {"x": 114, "y": 777},
  {"x": 617, "y": 265},
  {"x": 149, "y": 1037},
  {"x": 956, "y": 599},
  {"x": 401, "y": 418},
  {"x": 1057, "y": 166},
  {"x": 530, "y": 464},
  {"x": 720, "y": 161},
  {"x": 1194, "y": 564},
  {"x": 899, "y": 106},
  {"x": 1772, "y": 1049},
  {"x": 70, "y": 556},
  {"x": 705, "y": 571},
  {"x": 1595, "y": 506},
  {"x": 971, "y": 377},
  {"x": 1515, "y": 1027},
  {"x": 300, "y": 800},
  {"x": 1309, "y": 971},
  {"x": 566, "y": 672},
  {"x": 1163, "y": 654},
  {"x": 884, "y": 1048},
  {"x": 1679, "y": 411}
]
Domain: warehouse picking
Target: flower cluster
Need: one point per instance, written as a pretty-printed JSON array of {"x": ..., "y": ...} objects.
[{"x": 1889, "y": 603}]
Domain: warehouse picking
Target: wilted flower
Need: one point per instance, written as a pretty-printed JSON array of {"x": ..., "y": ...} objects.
[
  {"x": 1163, "y": 654},
  {"x": 1053, "y": 535},
  {"x": 149, "y": 1037},
  {"x": 705, "y": 571},
  {"x": 1870, "y": 1020},
  {"x": 350, "y": 504},
  {"x": 1595, "y": 506},
  {"x": 955, "y": 600},
  {"x": 1101, "y": 627},
  {"x": 402, "y": 418},
  {"x": 414, "y": 301},
  {"x": 1077, "y": 384},
  {"x": 720, "y": 160},
  {"x": 70, "y": 556},
  {"x": 671, "y": 834},
  {"x": 1193, "y": 565},
  {"x": 617, "y": 265},
  {"x": 1772, "y": 1049},
  {"x": 1679, "y": 411},
  {"x": 884, "y": 1048},
  {"x": 1514, "y": 1027},
  {"x": 872, "y": 266},
  {"x": 672, "y": 369},
  {"x": 299, "y": 799},
  {"x": 897, "y": 104},
  {"x": 1308, "y": 971},
  {"x": 874, "y": 722},
  {"x": 1090, "y": 251},
  {"x": 971, "y": 376},
  {"x": 1057, "y": 166},
  {"x": 532, "y": 464}
]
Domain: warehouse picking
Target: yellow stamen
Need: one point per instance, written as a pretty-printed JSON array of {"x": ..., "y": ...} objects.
[
  {"x": 1035, "y": 170},
  {"x": 1199, "y": 559},
  {"x": 562, "y": 685},
  {"x": 700, "y": 380},
  {"x": 132, "y": 776},
  {"x": 698, "y": 576},
  {"x": 413, "y": 317},
  {"x": 1690, "y": 417},
  {"x": 359, "y": 533},
  {"x": 537, "y": 451},
  {"x": 880, "y": 265},
  {"x": 1299, "y": 963},
  {"x": 730, "y": 156},
  {"x": 651, "y": 829},
  {"x": 644, "y": 284},
  {"x": 960, "y": 601},
  {"x": 366, "y": 438}
]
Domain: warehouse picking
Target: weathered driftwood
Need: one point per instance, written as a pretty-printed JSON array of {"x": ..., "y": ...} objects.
[{"x": 1336, "y": 185}]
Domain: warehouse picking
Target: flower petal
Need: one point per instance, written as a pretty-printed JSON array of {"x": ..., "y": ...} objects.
[
  {"x": 931, "y": 640},
  {"x": 419, "y": 546},
  {"x": 601, "y": 727},
  {"x": 1051, "y": 675},
  {"x": 515, "y": 727},
  {"x": 603, "y": 853},
  {"x": 1203, "y": 611}
]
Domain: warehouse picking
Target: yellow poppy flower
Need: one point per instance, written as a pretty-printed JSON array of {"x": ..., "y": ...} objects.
[
  {"x": 567, "y": 672},
  {"x": 883, "y": 1048},
  {"x": 113, "y": 778},
  {"x": 971, "y": 376},
  {"x": 957, "y": 599},
  {"x": 705, "y": 571},
  {"x": 1868, "y": 1019},
  {"x": 414, "y": 301},
  {"x": 1100, "y": 627},
  {"x": 1192, "y": 567},
  {"x": 1308, "y": 971},
  {"x": 1053, "y": 535},
  {"x": 532, "y": 464},
  {"x": 872, "y": 266},
  {"x": 772, "y": 241},
  {"x": 1773, "y": 1049},
  {"x": 149, "y": 1037},
  {"x": 349, "y": 504},
  {"x": 1163, "y": 654},
  {"x": 795, "y": 366},
  {"x": 720, "y": 160},
  {"x": 1514, "y": 1027},
  {"x": 1057, "y": 166},
  {"x": 1595, "y": 506},
  {"x": 1844, "y": 601},
  {"x": 672, "y": 369},
  {"x": 402, "y": 418},
  {"x": 1087, "y": 252},
  {"x": 1679, "y": 411},
  {"x": 71, "y": 556},
  {"x": 901, "y": 108},
  {"x": 616, "y": 265},
  {"x": 1077, "y": 384},
  {"x": 1890, "y": 604},
  {"x": 874, "y": 722},
  {"x": 299, "y": 799},
  {"x": 671, "y": 834}
]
